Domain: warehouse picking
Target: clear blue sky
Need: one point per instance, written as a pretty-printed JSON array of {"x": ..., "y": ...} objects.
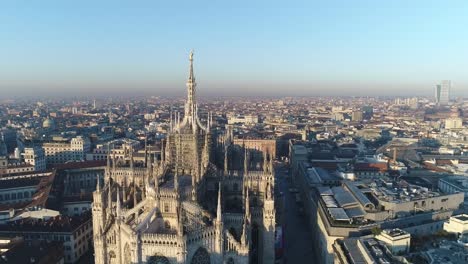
[{"x": 252, "y": 47}]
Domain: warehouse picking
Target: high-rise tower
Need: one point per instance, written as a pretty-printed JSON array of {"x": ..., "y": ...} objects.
[{"x": 443, "y": 92}]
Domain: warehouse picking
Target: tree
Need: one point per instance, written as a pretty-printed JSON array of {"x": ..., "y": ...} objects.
[{"x": 376, "y": 230}]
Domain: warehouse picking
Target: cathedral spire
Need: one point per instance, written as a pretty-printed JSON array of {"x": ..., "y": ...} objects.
[
  {"x": 180, "y": 224},
  {"x": 176, "y": 181},
  {"x": 247, "y": 203},
  {"x": 156, "y": 185},
  {"x": 178, "y": 119},
  {"x": 109, "y": 197},
  {"x": 219, "y": 225},
  {"x": 268, "y": 192},
  {"x": 108, "y": 161},
  {"x": 191, "y": 84},
  {"x": 162, "y": 152},
  {"x": 219, "y": 209},
  {"x": 178, "y": 159},
  {"x": 132, "y": 171},
  {"x": 170, "y": 121},
  {"x": 118, "y": 203},
  {"x": 271, "y": 164},
  {"x": 146, "y": 150},
  {"x": 114, "y": 162},
  {"x": 194, "y": 189},
  {"x": 98, "y": 184},
  {"x": 244, "y": 232},
  {"x": 147, "y": 176},
  {"x": 206, "y": 155}
]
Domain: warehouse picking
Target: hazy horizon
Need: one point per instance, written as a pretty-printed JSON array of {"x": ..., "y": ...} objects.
[{"x": 361, "y": 48}]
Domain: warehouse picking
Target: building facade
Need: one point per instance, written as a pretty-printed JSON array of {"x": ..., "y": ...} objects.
[
  {"x": 36, "y": 157},
  {"x": 120, "y": 148},
  {"x": 246, "y": 119},
  {"x": 453, "y": 123},
  {"x": 185, "y": 207},
  {"x": 74, "y": 232},
  {"x": 61, "y": 152},
  {"x": 262, "y": 145}
]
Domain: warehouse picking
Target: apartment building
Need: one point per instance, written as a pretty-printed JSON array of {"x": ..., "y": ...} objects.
[
  {"x": 63, "y": 150},
  {"x": 36, "y": 157}
]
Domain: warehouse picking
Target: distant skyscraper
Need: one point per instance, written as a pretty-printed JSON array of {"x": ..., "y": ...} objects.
[{"x": 443, "y": 92}]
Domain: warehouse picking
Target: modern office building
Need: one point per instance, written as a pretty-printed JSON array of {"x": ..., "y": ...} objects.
[{"x": 443, "y": 92}]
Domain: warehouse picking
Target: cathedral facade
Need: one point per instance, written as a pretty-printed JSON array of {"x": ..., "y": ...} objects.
[{"x": 205, "y": 200}]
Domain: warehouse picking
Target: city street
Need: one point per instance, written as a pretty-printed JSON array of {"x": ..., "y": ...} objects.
[{"x": 297, "y": 236}]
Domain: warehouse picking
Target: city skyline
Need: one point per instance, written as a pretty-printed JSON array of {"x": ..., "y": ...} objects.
[
  {"x": 261, "y": 132},
  {"x": 363, "y": 49},
  {"x": 333, "y": 180}
]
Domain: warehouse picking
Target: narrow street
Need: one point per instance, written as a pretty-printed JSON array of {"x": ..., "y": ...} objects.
[{"x": 297, "y": 235}]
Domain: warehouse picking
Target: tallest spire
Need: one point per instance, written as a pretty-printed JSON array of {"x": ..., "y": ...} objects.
[
  {"x": 191, "y": 76},
  {"x": 191, "y": 84}
]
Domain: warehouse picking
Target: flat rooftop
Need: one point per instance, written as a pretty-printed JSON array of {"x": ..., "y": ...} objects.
[
  {"x": 398, "y": 192},
  {"x": 462, "y": 217},
  {"x": 460, "y": 182},
  {"x": 448, "y": 252},
  {"x": 395, "y": 232}
]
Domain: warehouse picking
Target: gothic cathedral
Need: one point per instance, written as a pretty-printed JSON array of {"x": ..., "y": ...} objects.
[{"x": 204, "y": 200}]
